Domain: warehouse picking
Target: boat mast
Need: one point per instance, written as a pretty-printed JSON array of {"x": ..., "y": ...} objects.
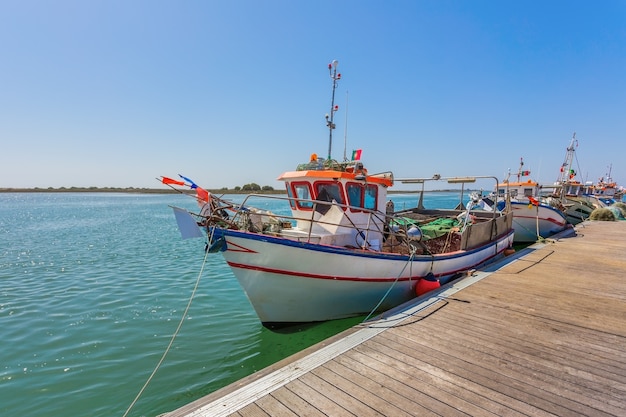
[
  {"x": 345, "y": 131},
  {"x": 569, "y": 159},
  {"x": 609, "y": 179},
  {"x": 332, "y": 69}
]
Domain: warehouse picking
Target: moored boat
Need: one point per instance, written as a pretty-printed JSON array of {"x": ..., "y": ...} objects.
[
  {"x": 534, "y": 218},
  {"x": 569, "y": 193},
  {"x": 343, "y": 251},
  {"x": 606, "y": 191}
]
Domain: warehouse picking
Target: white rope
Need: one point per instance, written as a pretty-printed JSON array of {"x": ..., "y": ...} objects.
[{"x": 180, "y": 324}]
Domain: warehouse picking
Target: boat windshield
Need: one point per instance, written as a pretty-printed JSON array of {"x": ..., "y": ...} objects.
[
  {"x": 360, "y": 195},
  {"x": 329, "y": 191},
  {"x": 302, "y": 194}
]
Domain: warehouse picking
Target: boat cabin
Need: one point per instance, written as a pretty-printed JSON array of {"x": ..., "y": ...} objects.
[
  {"x": 326, "y": 196},
  {"x": 519, "y": 190}
]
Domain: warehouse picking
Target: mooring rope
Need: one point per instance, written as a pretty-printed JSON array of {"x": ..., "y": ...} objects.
[
  {"x": 409, "y": 261},
  {"x": 532, "y": 232},
  {"x": 169, "y": 346}
]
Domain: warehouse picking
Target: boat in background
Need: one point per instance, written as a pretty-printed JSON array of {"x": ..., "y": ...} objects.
[
  {"x": 605, "y": 190},
  {"x": 343, "y": 251},
  {"x": 533, "y": 218},
  {"x": 568, "y": 193}
]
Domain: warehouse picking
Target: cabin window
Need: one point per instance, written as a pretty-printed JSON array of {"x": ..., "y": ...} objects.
[
  {"x": 326, "y": 193},
  {"x": 371, "y": 196},
  {"x": 292, "y": 202},
  {"x": 301, "y": 191},
  {"x": 363, "y": 196},
  {"x": 528, "y": 192},
  {"x": 329, "y": 191},
  {"x": 355, "y": 194}
]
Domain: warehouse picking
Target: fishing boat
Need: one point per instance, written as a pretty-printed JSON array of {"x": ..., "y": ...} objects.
[
  {"x": 534, "y": 217},
  {"x": 344, "y": 250},
  {"x": 572, "y": 196},
  {"x": 605, "y": 190}
]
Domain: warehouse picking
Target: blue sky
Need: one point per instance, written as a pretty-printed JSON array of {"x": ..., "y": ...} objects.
[{"x": 116, "y": 93}]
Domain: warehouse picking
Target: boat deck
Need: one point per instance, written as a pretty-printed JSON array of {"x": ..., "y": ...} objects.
[{"x": 541, "y": 333}]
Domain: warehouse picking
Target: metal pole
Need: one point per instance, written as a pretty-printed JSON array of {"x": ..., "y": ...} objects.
[{"x": 332, "y": 68}]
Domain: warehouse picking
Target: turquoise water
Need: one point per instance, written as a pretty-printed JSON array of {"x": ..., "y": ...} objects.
[{"x": 92, "y": 287}]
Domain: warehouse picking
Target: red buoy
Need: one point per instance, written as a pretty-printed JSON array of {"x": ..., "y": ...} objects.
[{"x": 426, "y": 284}]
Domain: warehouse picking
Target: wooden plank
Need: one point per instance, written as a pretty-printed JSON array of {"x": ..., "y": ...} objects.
[
  {"x": 466, "y": 390},
  {"x": 566, "y": 381},
  {"x": 338, "y": 396},
  {"x": 391, "y": 388},
  {"x": 376, "y": 385},
  {"x": 322, "y": 403},
  {"x": 450, "y": 362},
  {"x": 300, "y": 406},
  {"x": 333, "y": 375},
  {"x": 586, "y": 352},
  {"x": 402, "y": 369},
  {"x": 273, "y": 407},
  {"x": 252, "y": 410}
]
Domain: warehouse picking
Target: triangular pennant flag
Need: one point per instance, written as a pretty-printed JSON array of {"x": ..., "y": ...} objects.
[{"x": 166, "y": 180}]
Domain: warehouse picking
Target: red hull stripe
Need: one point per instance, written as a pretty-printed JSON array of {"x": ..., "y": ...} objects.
[
  {"x": 551, "y": 220},
  {"x": 315, "y": 276},
  {"x": 334, "y": 277}
]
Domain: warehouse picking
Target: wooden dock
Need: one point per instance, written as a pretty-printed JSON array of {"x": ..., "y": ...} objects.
[{"x": 541, "y": 333}]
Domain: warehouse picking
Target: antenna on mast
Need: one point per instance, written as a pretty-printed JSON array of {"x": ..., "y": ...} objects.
[
  {"x": 332, "y": 69},
  {"x": 345, "y": 131}
]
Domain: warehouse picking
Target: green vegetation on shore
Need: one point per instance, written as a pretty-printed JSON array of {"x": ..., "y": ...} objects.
[
  {"x": 136, "y": 190},
  {"x": 236, "y": 190},
  {"x": 245, "y": 189}
]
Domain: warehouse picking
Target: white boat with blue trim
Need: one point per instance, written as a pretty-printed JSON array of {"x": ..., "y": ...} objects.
[
  {"x": 343, "y": 251},
  {"x": 535, "y": 217}
]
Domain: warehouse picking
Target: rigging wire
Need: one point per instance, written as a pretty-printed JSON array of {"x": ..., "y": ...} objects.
[{"x": 169, "y": 346}]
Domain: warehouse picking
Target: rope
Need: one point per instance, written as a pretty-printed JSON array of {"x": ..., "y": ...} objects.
[
  {"x": 532, "y": 232},
  {"x": 409, "y": 261},
  {"x": 448, "y": 242},
  {"x": 180, "y": 324}
]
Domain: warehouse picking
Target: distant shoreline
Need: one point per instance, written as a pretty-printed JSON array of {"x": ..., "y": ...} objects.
[
  {"x": 89, "y": 190},
  {"x": 133, "y": 190}
]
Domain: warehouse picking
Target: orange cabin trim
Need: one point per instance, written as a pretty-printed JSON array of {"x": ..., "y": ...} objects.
[
  {"x": 331, "y": 174},
  {"x": 519, "y": 184}
]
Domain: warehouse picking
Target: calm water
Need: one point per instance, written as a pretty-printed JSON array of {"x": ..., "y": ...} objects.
[{"x": 92, "y": 287}]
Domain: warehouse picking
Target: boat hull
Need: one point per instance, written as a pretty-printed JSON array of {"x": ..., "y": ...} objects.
[
  {"x": 532, "y": 222},
  {"x": 294, "y": 282},
  {"x": 578, "y": 210}
]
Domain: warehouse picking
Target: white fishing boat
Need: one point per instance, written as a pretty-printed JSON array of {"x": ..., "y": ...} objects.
[
  {"x": 343, "y": 251},
  {"x": 533, "y": 220},
  {"x": 534, "y": 217},
  {"x": 605, "y": 191}
]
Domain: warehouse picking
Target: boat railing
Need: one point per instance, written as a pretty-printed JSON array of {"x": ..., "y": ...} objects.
[
  {"x": 374, "y": 220},
  {"x": 450, "y": 180},
  {"x": 357, "y": 227}
]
